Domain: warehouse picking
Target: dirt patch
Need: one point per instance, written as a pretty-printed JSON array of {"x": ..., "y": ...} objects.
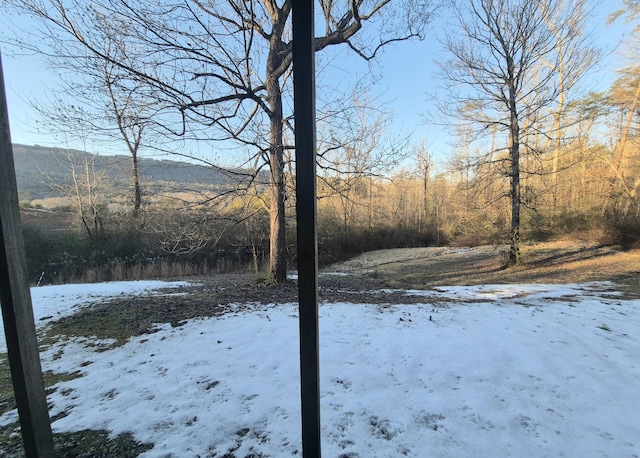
[{"x": 122, "y": 318}]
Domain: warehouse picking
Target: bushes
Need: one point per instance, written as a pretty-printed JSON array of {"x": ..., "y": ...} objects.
[
  {"x": 39, "y": 247},
  {"x": 340, "y": 246},
  {"x": 622, "y": 227},
  {"x": 540, "y": 227},
  {"x": 135, "y": 249},
  {"x": 126, "y": 253},
  {"x": 66, "y": 255},
  {"x": 478, "y": 230}
]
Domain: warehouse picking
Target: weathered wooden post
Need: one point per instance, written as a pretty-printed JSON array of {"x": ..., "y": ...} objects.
[
  {"x": 305, "y": 143},
  {"x": 17, "y": 311}
]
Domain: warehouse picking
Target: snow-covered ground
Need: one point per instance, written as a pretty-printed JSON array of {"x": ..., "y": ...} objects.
[
  {"x": 54, "y": 302},
  {"x": 490, "y": 371}
]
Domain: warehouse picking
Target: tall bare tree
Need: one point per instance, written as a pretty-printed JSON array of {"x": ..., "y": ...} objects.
[
  {"x": 503, "y": 75},
  {"x": 423, "y": 162},
  {"x": 221, "y": 69},
  {"x": 102, "y": 107},
  {"x": 625, "y": 95}
]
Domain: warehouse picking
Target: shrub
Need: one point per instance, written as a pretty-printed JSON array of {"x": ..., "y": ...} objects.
[
  {"x": 477, "y": 229},
  {"x": 39, "y": 249},
  {"x": 340, "y": 246},
  {"x": 622, "y": 227}
]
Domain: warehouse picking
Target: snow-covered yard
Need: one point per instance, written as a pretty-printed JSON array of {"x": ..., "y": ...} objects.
[{"x": 487, "y": 371}]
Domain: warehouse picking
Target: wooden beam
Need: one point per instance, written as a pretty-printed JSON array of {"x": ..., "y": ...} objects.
[
  {"x": 305, "y": 143},
  {"x": 17, "y": 311}
]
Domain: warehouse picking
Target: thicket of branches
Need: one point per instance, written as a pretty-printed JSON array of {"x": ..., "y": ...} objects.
[
  {"x": 424, "y": 204},
  {"x": 217, "y": 72},
  {"x": 536, "y": 156}
]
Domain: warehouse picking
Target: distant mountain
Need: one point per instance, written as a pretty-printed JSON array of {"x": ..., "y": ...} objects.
[{"x": 38, "y": 167}]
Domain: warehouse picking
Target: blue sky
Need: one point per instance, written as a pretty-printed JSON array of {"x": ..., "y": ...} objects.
[{"x": 407, "y": 73}]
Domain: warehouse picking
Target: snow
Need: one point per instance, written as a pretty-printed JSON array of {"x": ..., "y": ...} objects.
[
  {"x": 494, "y": 370},
  {"x": 54, "y": 302}
]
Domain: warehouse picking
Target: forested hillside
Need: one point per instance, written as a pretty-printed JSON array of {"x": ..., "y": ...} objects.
[{"x": 40, "y": 170}]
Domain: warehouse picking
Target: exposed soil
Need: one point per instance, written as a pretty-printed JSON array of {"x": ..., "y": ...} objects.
[{"x": 122, "y": 318}]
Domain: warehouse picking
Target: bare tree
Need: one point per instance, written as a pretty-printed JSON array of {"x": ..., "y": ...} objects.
[
  {"x": 423, "y": 173},
  {"x": 95, "y": 101},
  {"x": 221, "y": 69},
  {"x": 104, "y": 111},
  {"x": 85, "y": 188},
  {"x": 625, "y": 95},
  {"x": 354, "y": 147},
  {"x": 503, "y": 75}
]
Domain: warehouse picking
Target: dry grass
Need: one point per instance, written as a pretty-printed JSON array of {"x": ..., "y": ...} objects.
[
  {"x": 46, "y": 220},
  {"x": 162, "y": 269},
  {"x": 565, "y": 261}
]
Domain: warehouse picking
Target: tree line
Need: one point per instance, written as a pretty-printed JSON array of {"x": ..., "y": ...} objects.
[{"x": 532, "y": 146}]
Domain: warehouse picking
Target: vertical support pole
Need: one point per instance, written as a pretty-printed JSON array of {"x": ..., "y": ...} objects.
[
  {"x": 305, "y": 143},
  {"x": 17, "y": 311}
]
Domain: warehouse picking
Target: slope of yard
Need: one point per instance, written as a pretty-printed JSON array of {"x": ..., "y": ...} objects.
[
  {"x": 562, "y": 261},
  {"x": 535, "y": 368}
]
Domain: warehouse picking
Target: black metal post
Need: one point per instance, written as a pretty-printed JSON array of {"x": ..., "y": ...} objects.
[
  {"x": 305, "y": 142},
  {"x": 17, "y": 311}
]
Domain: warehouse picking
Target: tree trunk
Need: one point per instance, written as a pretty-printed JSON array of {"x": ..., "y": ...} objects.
[
  {"x": 425, "y": 201},
  {"x": 277, "y": 239},
  {"x": 514, "y": 154},
  {"x": 277, "y": 243},
  {"x": 625, "y": 133},
  {"x": 137, "y": 194},
  {"x": 514, "y": 249},
  {"x": 618, "y": 159}
]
